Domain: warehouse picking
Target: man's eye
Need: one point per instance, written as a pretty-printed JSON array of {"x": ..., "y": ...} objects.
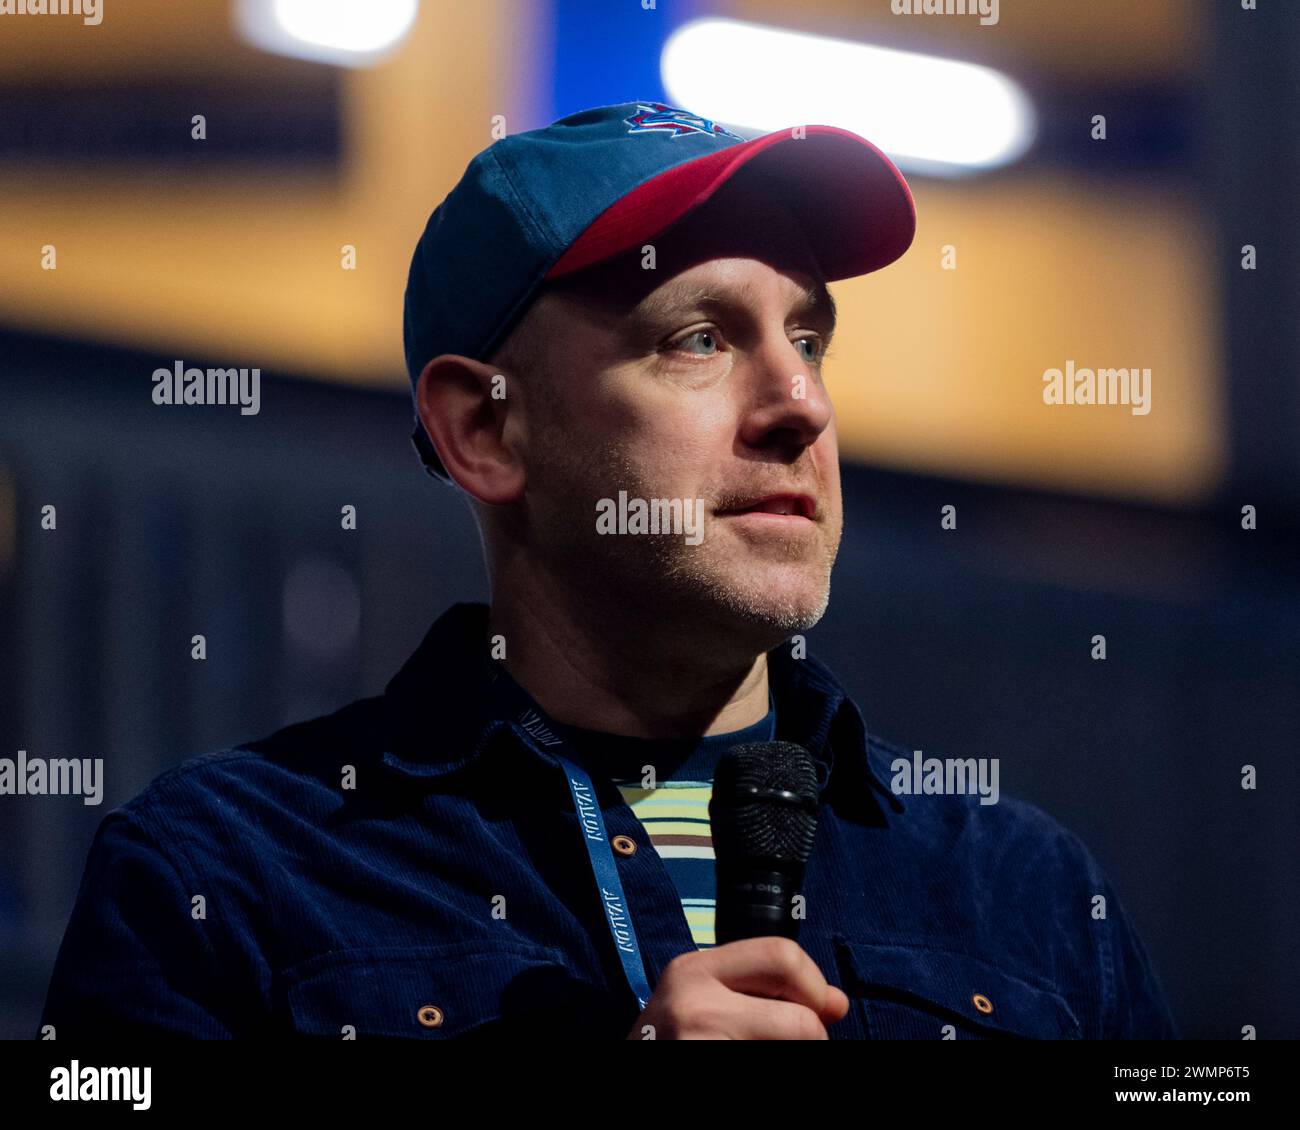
[
  {"x": 814, "y": 348},
  {"x": 707, "y": 335}
]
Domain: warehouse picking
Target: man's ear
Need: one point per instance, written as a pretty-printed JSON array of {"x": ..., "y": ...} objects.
[{"x": 470, "y": 427}]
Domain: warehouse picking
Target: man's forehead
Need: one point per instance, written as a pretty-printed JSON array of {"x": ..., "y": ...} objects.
[
  {"x": 697, "y": 287},
  {"x": 638, "y": 304},
  {"x": 631, "y": 285}
]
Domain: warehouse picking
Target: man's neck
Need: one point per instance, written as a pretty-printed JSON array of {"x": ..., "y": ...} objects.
[{"x": 639, "y": 680}]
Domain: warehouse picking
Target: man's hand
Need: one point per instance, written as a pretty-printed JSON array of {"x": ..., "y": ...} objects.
[{"x": 755, "y": 989}]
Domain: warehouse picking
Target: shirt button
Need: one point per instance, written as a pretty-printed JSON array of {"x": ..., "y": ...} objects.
[
  {"x": 430, "y": 1016},
  {"x": 624, "y": 845},
  {"x": 981, "y": 1002}
]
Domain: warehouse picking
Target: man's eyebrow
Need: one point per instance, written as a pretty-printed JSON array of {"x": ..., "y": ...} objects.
[{"x": 665, "y": 302}]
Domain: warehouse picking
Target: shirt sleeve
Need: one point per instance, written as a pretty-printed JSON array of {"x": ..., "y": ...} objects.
[{"x": 133, "y": 960}]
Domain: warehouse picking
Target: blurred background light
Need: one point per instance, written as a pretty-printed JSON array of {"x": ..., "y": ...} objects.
[
  {"x": 938, "y": 116},
  {"x": 347, "y": 32}
]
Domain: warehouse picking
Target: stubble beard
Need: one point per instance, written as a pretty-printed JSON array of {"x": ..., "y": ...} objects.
[{"x": 720, "y": 585}]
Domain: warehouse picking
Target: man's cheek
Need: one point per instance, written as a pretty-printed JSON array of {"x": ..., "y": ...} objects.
[
  {"x": 691, "y": 449},
  {"x": 663, "y": 456}
]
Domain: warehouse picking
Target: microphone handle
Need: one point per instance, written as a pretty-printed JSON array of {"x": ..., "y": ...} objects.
[{"x": 755, "y": 899}]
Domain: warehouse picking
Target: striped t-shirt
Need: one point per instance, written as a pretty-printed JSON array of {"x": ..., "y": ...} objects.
[{"x": 675, "y": 812}]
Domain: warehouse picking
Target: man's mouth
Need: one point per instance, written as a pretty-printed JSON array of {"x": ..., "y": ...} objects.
[{"x": 777, "y": 506}]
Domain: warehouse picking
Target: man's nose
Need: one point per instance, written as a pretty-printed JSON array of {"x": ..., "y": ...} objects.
[{"x": 786, "y": 401}]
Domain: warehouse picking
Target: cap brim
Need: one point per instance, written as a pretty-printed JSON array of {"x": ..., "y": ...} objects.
[{"x": 854, "y": 205}]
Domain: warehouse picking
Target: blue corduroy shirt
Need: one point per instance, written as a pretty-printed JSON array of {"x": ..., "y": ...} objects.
[{"x": 412, "y": 866}]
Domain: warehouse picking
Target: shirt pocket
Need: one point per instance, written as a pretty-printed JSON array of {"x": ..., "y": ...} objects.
[
  {"x": 904, "y": 992},
  {"x": 467, "y": 989}
]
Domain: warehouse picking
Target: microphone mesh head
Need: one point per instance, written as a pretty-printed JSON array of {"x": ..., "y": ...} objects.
[{"x": 764, "y": 802}]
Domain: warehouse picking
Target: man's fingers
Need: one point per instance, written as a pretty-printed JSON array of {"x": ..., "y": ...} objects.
[
  {"x": 777, "y": 1020},
  {"x": 776, "y": 968}
]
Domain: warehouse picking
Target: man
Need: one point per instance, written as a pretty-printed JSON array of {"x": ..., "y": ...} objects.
[{"x": 627, "y": 307}]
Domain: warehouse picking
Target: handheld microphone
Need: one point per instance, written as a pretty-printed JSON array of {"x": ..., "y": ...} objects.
[{"x": 763, "y": 815}]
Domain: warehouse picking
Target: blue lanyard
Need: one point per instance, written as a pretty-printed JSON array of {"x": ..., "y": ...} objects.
[{"x": 591, "y": 823}]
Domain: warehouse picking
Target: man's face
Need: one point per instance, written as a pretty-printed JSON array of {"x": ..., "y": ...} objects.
[{"x": 700, "y": 379}]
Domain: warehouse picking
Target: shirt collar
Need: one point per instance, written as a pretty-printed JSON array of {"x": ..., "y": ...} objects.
[{"x": 443, "y": 711}]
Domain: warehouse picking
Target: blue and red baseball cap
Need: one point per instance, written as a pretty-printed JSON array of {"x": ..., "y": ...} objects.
[{"x": 547, "y": 203}]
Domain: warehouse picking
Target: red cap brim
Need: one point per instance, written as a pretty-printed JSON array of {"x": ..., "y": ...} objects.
[{"x": 854, "y": 205}]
